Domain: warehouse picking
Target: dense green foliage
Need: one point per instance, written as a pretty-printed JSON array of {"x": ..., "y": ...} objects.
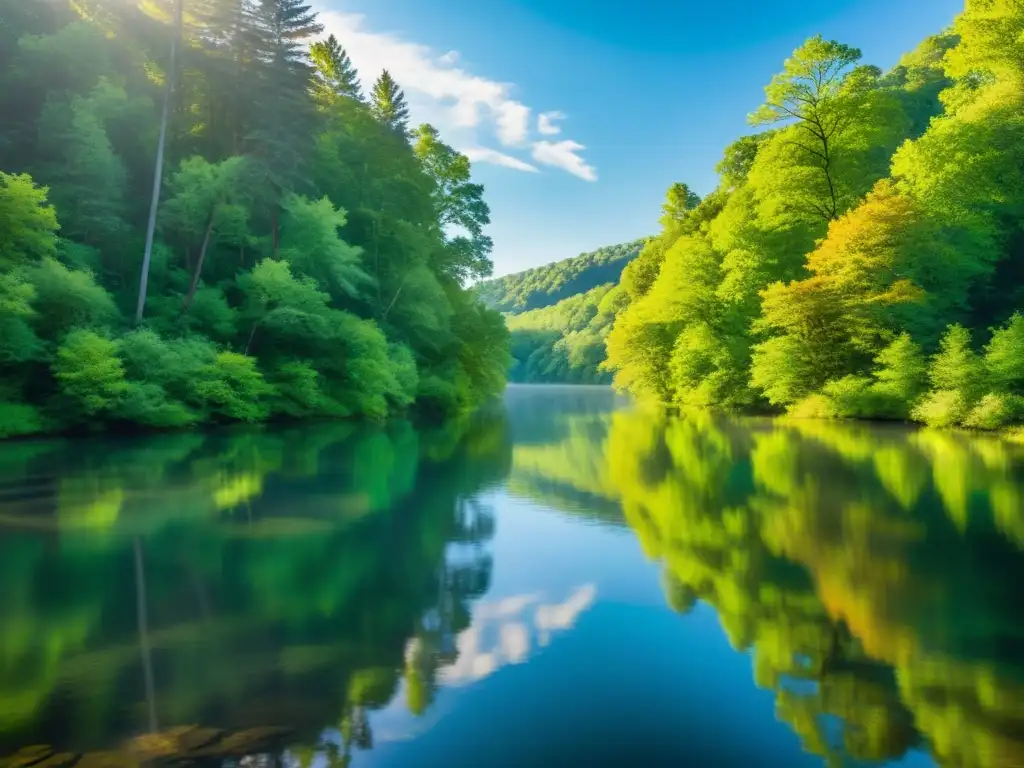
[
  {"x": 547, "y": 285},
  {"x": 309, "y": 250},
  {"x": 564, "y": 343},
  {"x": 861, "y": 257}
]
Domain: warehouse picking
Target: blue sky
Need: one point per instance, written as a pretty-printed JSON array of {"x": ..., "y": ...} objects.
[{"x": 578, "y": 114}]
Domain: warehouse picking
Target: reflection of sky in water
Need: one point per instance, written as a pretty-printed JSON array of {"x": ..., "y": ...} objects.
[
  {"x": 504, "y": 631},
  {"x": 571, "y": 644}
]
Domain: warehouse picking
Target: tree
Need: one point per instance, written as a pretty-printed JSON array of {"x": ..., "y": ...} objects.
[
  {"x": 810, "y": 93},
  {"x": 459, "y": 203},
  {"x": 679, "y": 201},
  {"x": 158, "y": 164},
  {"x": 28, "y": 223},
  {"x": 902, "y": 373},
  {"x": 387, "y": 103},
  {"x": 280, "y": 139},
  {"x": 335, "y": 75},
  {"x": 206, "y": 201},
  {"x": 339, "y": 279}
]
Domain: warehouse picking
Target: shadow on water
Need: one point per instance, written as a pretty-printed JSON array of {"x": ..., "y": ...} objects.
[{"x": 276, "y": 585}]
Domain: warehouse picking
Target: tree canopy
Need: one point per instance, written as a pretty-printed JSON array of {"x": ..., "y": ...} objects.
[
  {"x": 307, "y": 256},
  {"x": 860, "y": 257}
]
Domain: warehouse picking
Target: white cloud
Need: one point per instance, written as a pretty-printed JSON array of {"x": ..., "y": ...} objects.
[
  {"x": 546, "y": 123},
  {"x": 494, "y": 157},
  {"x": 562, "y": 154},
  {"x": 513, "y": 123},
  {"x": 468, "y": 110}
]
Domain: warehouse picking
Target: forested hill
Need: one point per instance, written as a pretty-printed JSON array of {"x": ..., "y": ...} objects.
[
  {"x": 862, "y": 256},
  {"x": 564, "y": 343},
  {"x": 207, "y": 215},
  {"x": 547, "y": 285}
]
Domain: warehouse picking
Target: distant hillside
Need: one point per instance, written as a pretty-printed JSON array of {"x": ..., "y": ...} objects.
[
  {"x": 564, "y": 343},
  {"x": 547, "y": 285}
]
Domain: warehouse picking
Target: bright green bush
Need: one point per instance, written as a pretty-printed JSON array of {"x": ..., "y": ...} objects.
[
  {"x": 90, "y": 374},
  {"x": 1004, "y": 356},
  {"x": 233, "y": 388},
  {"x": 995, "y": 411},
  {"x": 18, "y": 342},
  {"x": 942, "y": 408},
  {"x": 902, "y": 376},
  {"x": 957, "y": 366},
  {"x": 779, "y": 369},
  {"x": 174, "y": 365},
  {"x": 852, "y": 397},
  {"x": 816, "y": 406}
]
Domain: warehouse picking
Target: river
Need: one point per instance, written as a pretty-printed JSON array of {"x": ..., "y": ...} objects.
[{"x": 563, "y": 580}]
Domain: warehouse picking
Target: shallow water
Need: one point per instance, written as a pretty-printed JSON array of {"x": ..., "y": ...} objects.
[{"x": 566, "y": 580}]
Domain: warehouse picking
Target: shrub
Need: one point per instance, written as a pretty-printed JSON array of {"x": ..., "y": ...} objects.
[
  {"x": 406, "y": 375},
  {"x": 1004, "y": 356},
  {"x": 233, "y": 388},
  {"x": 902, "y": 376},
  {"x": 175, "y": 365},
  {"x": 994, "y": 411},
  {"x": 67, "y": 299},
  {"x": 852, "y": 397},
  {"x": 297, "y": 392},
  {"x": 89, "y": 372},
  {"x": 941, "y": 408},
  {"x": 816, "y": 406},
  {"x": 148, "y": 404},
  {"x": 957, "y": 366},
  {"x": 18, "y": 419},
  {"x": 780, "y": 369}
]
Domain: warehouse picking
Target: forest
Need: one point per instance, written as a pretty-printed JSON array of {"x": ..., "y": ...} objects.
[
  {"x": 207, "y": 216},
  {"x": 560, "y": 314},
  {"x": 861, "y": 256},
  {"x": 547, "y": 285}
]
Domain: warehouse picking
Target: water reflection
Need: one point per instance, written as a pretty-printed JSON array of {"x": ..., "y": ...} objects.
[
  {"x": 285, "y": 588},
  {"x": 873, "y": 573},
  {"x": 272, "y": 578}
]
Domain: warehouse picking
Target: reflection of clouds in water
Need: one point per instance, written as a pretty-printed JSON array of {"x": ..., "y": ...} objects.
[{"x": 501, "y": 632}]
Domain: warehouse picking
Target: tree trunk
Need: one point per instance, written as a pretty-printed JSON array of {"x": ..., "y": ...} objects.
[
  {"x": 199, "y": 266},
  {"x": 158, "y": 172},
  {"x": 252, "y": 334},
  {"x": 395, "y": 297}
]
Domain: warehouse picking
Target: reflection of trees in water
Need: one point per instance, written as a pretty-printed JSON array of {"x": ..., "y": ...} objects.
[
  {"x": 281, "y": 577},
  {"x": 872, "y": 572}
]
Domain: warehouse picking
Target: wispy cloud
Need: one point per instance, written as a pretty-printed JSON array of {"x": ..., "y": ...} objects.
[
  {"x": 494, "y": 157},
  {"x": 546, "y": 123},
  {"x": 469, "y": 110},
  {"x": 563, "y": 154}
]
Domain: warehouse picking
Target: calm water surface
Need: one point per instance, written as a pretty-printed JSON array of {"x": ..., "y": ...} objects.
[{"x": 565, "y": 581}]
